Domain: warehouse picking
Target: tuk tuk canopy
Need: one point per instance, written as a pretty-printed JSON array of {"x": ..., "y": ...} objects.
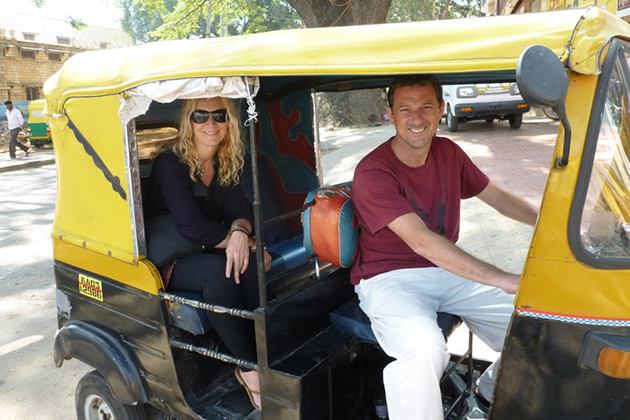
[
  {"x": 96, "y": 150},
  {"x": 487, "y": 44}
]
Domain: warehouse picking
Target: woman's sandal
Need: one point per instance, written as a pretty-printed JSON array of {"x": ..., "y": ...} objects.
[{"x": 250, "y": 392}]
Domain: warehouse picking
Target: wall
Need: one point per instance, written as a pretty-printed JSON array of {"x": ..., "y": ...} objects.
[{"x": 18, "y": 73}]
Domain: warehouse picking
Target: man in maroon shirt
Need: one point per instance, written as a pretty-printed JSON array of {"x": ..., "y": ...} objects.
[{"x": 407, "y": 195}]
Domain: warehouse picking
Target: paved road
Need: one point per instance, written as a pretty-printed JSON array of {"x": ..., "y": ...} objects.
[{"x": 31, "y": 387}]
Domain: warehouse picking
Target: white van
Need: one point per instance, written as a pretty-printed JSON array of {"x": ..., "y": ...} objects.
[{"x": 483, "y": 101}]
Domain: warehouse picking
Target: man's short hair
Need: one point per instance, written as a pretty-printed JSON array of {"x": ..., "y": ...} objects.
[
  {"x": 414, "y": 80},
  {"x": 8, "y": 103}
]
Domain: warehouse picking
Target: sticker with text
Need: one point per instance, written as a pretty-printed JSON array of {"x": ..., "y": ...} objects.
[{"x": 90, "y": 287}]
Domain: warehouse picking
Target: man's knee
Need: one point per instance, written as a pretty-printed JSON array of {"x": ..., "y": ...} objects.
[
  {"x": 423, "y": 361},
  {"x": 424, "y": 343}
]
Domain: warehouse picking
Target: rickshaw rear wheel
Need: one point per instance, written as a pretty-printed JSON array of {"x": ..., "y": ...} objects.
[{"x": 95, "y": 401}]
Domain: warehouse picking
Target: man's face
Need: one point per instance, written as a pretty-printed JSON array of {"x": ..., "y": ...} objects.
[
  {"x": 9, "y": 107},
  {"x": 416, "y": 115}
]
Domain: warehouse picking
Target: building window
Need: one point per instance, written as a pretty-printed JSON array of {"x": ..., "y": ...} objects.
[
  {"x": 28, "y": 36},
  {"x": 54, "y": 56},
  {"x": 104, "y": 45},
  {"x": 32, "y": 93},
  {"x": 63, "y": 40},
  {"x": 28, "y": 54}
]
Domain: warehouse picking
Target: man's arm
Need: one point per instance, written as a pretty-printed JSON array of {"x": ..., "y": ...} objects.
[
  {"x": 509, "y": 204},
  {"x": 441, "y": 252}
]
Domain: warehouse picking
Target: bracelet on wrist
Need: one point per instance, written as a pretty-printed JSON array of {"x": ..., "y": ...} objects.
[{"x": 240, "y": 228}]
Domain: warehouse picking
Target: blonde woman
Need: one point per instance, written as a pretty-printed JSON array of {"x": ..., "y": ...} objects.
[{"x": 196, "y": 180}]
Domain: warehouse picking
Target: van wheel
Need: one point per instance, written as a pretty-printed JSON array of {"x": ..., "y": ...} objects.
[
  {"x": 515, "y": 120},
  {"x": 489, "y": 120},
  {"x": 452, "y": 122},
  {"x": 94, "y": 401}
]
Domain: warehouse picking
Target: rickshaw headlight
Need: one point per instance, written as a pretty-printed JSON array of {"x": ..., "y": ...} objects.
[{"x": 614, "y": 362}]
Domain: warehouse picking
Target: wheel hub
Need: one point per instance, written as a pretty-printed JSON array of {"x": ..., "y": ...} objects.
[{"x": 96, "y": 408}]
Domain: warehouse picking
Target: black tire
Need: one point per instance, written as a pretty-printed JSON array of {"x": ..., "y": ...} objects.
[
  {"x": 489, "y": 120},
  {"x": 515, "y": 120},
  {"x": 452, "y": 122},
  {"x": 94, "y": 401}
]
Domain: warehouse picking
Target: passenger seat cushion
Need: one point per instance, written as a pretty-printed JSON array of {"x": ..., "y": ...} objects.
[{"x": 331, "y": 226}]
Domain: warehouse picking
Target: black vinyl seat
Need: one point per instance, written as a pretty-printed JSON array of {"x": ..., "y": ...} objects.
[{"x": 350, "y": 319}]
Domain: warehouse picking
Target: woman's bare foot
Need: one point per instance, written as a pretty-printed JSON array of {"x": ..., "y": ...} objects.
[{"x": 251, "y": 382}]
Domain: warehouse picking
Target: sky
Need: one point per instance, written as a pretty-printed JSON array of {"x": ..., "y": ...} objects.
[{"x": 93, "y": 12}]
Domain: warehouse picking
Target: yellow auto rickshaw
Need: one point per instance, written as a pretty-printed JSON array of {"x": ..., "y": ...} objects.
[
  {"x": 37, "y": 127},
  {"x": 567, "y": 353}
]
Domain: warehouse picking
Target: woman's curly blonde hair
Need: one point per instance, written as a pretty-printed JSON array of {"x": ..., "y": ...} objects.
[{"x": 231, "y": 148}]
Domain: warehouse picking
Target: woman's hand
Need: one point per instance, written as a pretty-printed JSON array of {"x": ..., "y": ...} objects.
[
  {"x": 267, "y": 261},
  {"x": 237, "y": 253}
]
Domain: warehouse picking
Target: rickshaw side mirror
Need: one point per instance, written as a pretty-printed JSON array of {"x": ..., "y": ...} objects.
[{"x": 543, "y": 82}]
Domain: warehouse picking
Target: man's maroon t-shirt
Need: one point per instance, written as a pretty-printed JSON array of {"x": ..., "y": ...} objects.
[{"x": 384, "y": 189}]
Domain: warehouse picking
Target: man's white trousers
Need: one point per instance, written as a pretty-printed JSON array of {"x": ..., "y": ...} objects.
[{"x": 402, "y": 306}]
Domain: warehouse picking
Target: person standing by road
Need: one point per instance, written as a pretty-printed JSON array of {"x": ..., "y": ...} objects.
[
  {"x": 407, "y": 195},
  {"x": 16, "y": 121}
]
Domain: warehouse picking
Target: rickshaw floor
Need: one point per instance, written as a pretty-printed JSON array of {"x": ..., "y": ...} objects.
[{"x": 225, "y": 399}]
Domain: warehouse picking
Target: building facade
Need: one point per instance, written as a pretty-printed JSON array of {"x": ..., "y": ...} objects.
[{"x": 35, "y": 42}]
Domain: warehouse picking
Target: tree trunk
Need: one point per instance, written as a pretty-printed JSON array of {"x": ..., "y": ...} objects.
[
  {"x": 345, "y": 109},
  {"x": 323, "y": 13}
]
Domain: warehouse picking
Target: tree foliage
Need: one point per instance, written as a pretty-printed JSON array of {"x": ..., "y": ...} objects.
[
  {"x": 147, "y": 20},
  {"x": 419, "y": 10},
  {"x": 138, "y": 22},
  {"x": 75, "y": 23}
]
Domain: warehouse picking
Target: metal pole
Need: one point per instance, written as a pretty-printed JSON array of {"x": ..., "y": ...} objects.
[{"x": 260, "y": 256}]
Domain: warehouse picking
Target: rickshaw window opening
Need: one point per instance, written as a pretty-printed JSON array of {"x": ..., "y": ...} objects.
[{"x": 599, "y": 222}]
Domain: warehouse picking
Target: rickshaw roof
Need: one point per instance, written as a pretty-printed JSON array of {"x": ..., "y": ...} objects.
[
  {"x": 489, "y": 44},
  {"x": 37, "y": 104}
]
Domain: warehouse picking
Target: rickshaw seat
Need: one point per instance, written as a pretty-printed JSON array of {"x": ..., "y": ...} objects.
[
  {"x": 331, "y": 233},
  {"x": 286, "y": 255},
  {"x": 350, "y": 319},
  {"x": 186, "y": 317}
]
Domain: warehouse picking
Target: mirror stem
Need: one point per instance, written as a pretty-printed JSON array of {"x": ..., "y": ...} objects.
[{"x": 561, "y": 110}]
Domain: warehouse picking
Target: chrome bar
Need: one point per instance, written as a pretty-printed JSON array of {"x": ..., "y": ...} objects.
[
  {"x": 243, "y": 313},
  {"x": 214, "y": 354}
]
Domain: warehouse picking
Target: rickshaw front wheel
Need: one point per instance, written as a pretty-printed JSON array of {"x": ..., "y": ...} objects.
[{"x": 95, "y": 401}]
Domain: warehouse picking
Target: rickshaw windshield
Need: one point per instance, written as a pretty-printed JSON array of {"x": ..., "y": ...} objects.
[{"x": 605, "y": 222}]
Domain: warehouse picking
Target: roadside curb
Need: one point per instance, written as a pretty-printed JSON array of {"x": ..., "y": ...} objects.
[{"x": 27, "y": 165}]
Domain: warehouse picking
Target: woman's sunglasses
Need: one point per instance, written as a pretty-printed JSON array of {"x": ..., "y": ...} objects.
[{"x": 199, "y": 116}]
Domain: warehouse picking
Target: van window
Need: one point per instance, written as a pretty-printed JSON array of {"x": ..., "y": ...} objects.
[{"x": 605, "y": 225}]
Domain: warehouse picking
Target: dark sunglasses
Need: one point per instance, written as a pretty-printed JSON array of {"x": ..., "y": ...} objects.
[{"x": 200, "y": 116}]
